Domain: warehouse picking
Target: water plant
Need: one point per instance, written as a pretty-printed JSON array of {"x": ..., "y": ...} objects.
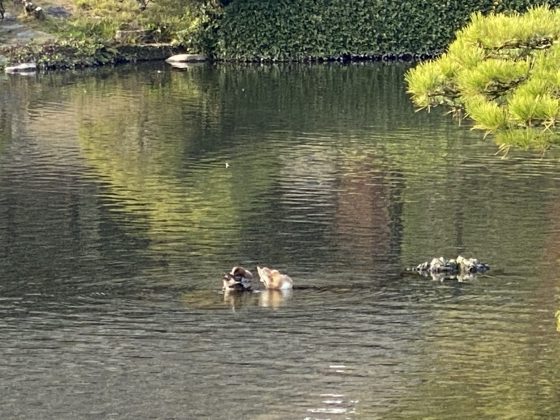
[{"x": 503, "y": 69}]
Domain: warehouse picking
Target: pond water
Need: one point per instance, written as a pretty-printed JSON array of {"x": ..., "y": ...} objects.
[{"x": 126, "y": 193}]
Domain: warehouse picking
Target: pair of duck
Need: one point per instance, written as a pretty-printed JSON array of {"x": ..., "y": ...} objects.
[{"x": 239, "y": 280}]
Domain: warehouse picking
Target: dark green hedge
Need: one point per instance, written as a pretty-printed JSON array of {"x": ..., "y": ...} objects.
[{"x": 332, "y": 29}]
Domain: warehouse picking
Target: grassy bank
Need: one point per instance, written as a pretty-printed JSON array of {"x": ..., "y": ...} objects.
[{"x": 100, "y": 32}]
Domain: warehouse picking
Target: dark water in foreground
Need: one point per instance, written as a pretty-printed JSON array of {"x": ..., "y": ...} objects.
[{"x": 118, "y": 216}]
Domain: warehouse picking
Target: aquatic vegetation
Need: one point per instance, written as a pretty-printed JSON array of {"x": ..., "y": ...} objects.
[{"x": 504, "y": 71}]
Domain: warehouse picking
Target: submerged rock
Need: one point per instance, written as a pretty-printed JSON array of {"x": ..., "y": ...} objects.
[
  {"x": 460, "y": 268},
  {"x": 472, "y": 265}
]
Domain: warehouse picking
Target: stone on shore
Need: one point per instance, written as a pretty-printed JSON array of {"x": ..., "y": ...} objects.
[
  {"x": 186, "y": 58},
  {"x": 22, "y": 68}
]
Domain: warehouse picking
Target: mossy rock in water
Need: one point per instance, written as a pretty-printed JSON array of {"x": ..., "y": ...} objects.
[{"x": 503, "y": 70}]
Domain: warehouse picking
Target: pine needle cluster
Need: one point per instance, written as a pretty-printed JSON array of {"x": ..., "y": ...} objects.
[{"x": 504, "y": 70}]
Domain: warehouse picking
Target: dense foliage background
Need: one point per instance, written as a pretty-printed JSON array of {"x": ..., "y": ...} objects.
[
  {"x": 332, "y": 29},
  {"x": 259, "y": 30}
]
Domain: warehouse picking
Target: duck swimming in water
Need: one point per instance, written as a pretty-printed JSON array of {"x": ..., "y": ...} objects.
[
  {"x": 274, "y": 280},
  {"x": 237, "y": 280}
]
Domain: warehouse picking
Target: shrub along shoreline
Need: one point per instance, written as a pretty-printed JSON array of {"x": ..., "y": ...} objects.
[
  {"x": 259, "y": 30},
  {"x": 310, "y": 30}
]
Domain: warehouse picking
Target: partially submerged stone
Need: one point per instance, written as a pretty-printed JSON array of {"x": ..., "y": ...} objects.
[
  {"x": 441, "y": 265},
  {"x": 472, "y": 265},
  {"x": 187, "y": 58},
  {"x": 460, "y": 268},
  {"x": 22, "y": 68}
]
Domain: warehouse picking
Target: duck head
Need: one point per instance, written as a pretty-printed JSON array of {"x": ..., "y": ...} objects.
[{"x": 237, "y": 280}]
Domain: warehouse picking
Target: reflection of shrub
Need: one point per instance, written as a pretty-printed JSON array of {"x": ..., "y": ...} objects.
[{"x": 503, "y": 69}]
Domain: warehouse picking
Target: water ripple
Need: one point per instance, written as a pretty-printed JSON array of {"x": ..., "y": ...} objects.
[{"x": 125, "y": 195}]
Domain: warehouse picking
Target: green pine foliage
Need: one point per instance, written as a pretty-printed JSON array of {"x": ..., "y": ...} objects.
[
  {"x": 505, "y": 74},
  {"x": 488, "y": 115},
  {"x": 492, "y": 77}
]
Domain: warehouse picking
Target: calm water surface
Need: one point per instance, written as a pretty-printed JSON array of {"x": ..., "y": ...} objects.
[{"x": 118, "y": 216}]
